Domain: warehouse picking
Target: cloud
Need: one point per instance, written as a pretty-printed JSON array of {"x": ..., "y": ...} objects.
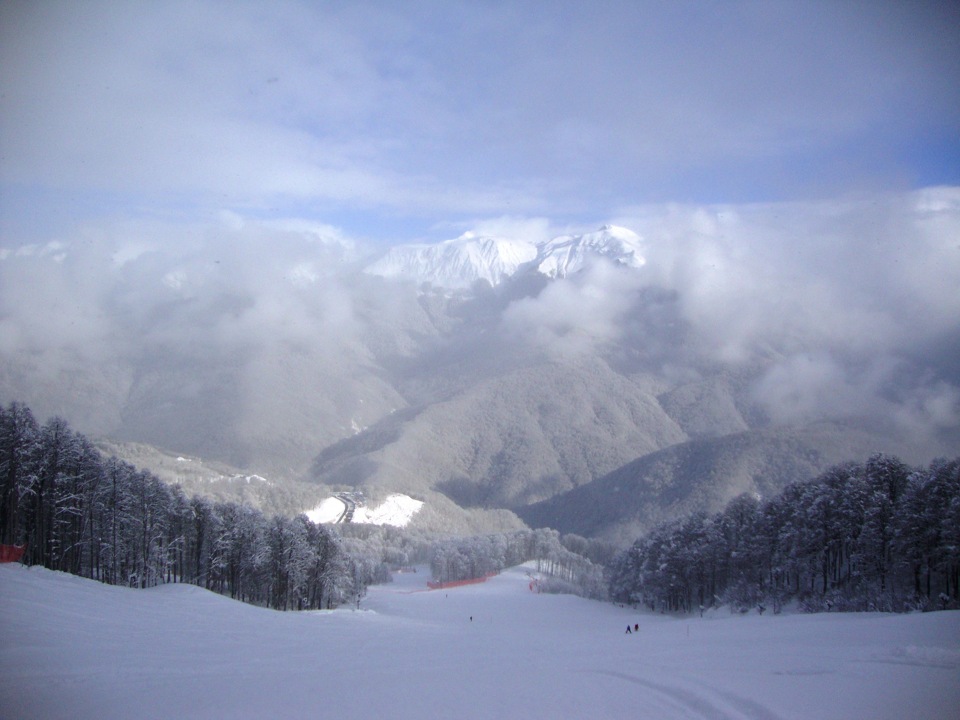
[
  {"x": 132, "y": 288},
  {"x": 851, "y": 304},
  {"x": 856, "y": 271},
  {"x": 804, "y": 388},
  {"x": 828, "y": 309},
  {"x": 49, "y": 303},
  {"x": 455, "y": 109},
  {"x": 528, "y": 229},
  {"x": 582, "y": 313},
  {"x": 835, "y": 309}
]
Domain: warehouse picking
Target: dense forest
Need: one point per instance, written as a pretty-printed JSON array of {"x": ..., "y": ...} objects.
[
  {"x": 77, "y": 511},
  {"x": 877, "y": 535},
  {"x": 80, "y": 512},
  {"x": 568, "y": 564}
]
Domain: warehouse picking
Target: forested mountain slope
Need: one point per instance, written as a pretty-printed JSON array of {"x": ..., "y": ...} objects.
[
  {"x": 676, "y": 364},
  {"x": 703, "y": 475}
]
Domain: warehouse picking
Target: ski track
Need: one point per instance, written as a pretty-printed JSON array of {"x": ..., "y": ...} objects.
[
  {"x": 699, "y": 703},
  {"x": 74, "y": 649}
]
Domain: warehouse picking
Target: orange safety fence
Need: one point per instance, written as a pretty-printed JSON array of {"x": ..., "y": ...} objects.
[
  {"x": 11, "y": 553},
  {"x": 459, "y": 583}
]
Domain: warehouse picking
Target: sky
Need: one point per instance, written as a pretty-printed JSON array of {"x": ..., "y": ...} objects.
[{"x": 401, "y": 121}]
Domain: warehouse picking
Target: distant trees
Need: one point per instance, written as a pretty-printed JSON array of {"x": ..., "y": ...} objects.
[
  {"x": 473, "y": 557},
  {"x": 872, "y": 536},
  {"x": 876, "y": 535},
  {"x": 102, "y": 518}
]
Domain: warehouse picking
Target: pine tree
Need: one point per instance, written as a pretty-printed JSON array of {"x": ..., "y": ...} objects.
[{"x": 19, "y": 453}]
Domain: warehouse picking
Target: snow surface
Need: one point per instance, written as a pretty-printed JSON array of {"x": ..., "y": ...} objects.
[
  {"x": 458, "y": 263},
  {"x": 72, "y": 648},
  {"x": 569, "y": 254},
  {"x": 328, "y": 511},
  {"x": 396, "y": 510}
]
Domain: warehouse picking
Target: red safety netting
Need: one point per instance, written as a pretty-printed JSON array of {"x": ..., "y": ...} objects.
[
  {"x": 458, "y": 583},
  {"x": 11, "y": 553}
]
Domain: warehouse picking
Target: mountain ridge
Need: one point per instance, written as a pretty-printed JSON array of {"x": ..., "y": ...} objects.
[
  {"x": 458, "y": 263},
  {"x": 552, "y": 365},
  {"x": 704, "y": 475}
]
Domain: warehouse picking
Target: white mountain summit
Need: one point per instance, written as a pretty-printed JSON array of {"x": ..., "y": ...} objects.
[
  {"x": 460, "y": 262},
  {"x": 456, "y": 263},
  {"x": 568, "y": 254}
]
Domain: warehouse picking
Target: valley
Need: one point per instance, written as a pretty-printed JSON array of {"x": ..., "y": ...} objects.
[{"x": 573, "y": 382}]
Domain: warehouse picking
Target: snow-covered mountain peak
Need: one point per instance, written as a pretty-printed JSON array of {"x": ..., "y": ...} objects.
[
  {"x": 460, "y": 262},
  {"x": 567, "y": 254},
  {"x": 456, "y": 263}
]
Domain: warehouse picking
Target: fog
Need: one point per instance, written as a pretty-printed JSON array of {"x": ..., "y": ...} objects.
[
  {"x": 852, "y": 305},
  {"x": 838, "y": 309}
]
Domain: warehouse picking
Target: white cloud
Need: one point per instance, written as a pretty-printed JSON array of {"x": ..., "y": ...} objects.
[
  {"x": 865, "y": 274},
  {"x": 463, "y": 109},
  {"x": 836, "y": 308},
  {"x": 809, "y": 387},
  {"x": 583, "y": 312},
  {"x": 853, "y": 304},
  {"x": 528, "y": 229}
]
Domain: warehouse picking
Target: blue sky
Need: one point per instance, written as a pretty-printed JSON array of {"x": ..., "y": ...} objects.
[{"x": 398, "y": 120}]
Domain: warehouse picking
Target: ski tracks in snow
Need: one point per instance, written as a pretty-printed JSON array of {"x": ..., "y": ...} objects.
[{"x": 727, "y": 706}]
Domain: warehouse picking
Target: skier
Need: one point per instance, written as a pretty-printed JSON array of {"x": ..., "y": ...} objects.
[
  {"x": 629, "y": 631},
  {"x": 636, "y": 628}
]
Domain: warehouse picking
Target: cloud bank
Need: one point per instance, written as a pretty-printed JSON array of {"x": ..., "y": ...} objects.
[
  {"x": 849, "y": 307},
  {"x": 831, "y": 309}
]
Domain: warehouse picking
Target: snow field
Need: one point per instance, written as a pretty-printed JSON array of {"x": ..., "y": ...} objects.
[
  {"x": 396, "y": 510},
  {"x": 72, "y": 648}
]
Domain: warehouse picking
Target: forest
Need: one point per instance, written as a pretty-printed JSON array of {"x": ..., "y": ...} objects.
[
  {"x": 567, "y": 564},
  {"x": 877, "y": 535},
  {"x": 79, "y": 512},
  {"x": 76, "y": 511}
]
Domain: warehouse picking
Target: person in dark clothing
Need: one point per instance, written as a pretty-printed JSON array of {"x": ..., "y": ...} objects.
[
  {"x": 636, "y": 628},
  {"x": 629, "y": 631}
]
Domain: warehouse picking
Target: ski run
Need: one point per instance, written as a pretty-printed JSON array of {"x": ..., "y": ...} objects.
[{"x": 74, "y": 648}]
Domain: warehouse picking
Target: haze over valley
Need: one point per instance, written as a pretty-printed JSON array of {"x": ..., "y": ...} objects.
[{"x": 487, "y": 377}]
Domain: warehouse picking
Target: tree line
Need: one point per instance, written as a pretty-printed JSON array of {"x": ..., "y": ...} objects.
[
  {"x": 877, "y": 535},
  {"x": 564, "y": 560},
  {"x": 101, "y": 518}
]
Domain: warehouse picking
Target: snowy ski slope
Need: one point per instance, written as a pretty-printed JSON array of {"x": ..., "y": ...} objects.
[{"x": 72, "y": 648}]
